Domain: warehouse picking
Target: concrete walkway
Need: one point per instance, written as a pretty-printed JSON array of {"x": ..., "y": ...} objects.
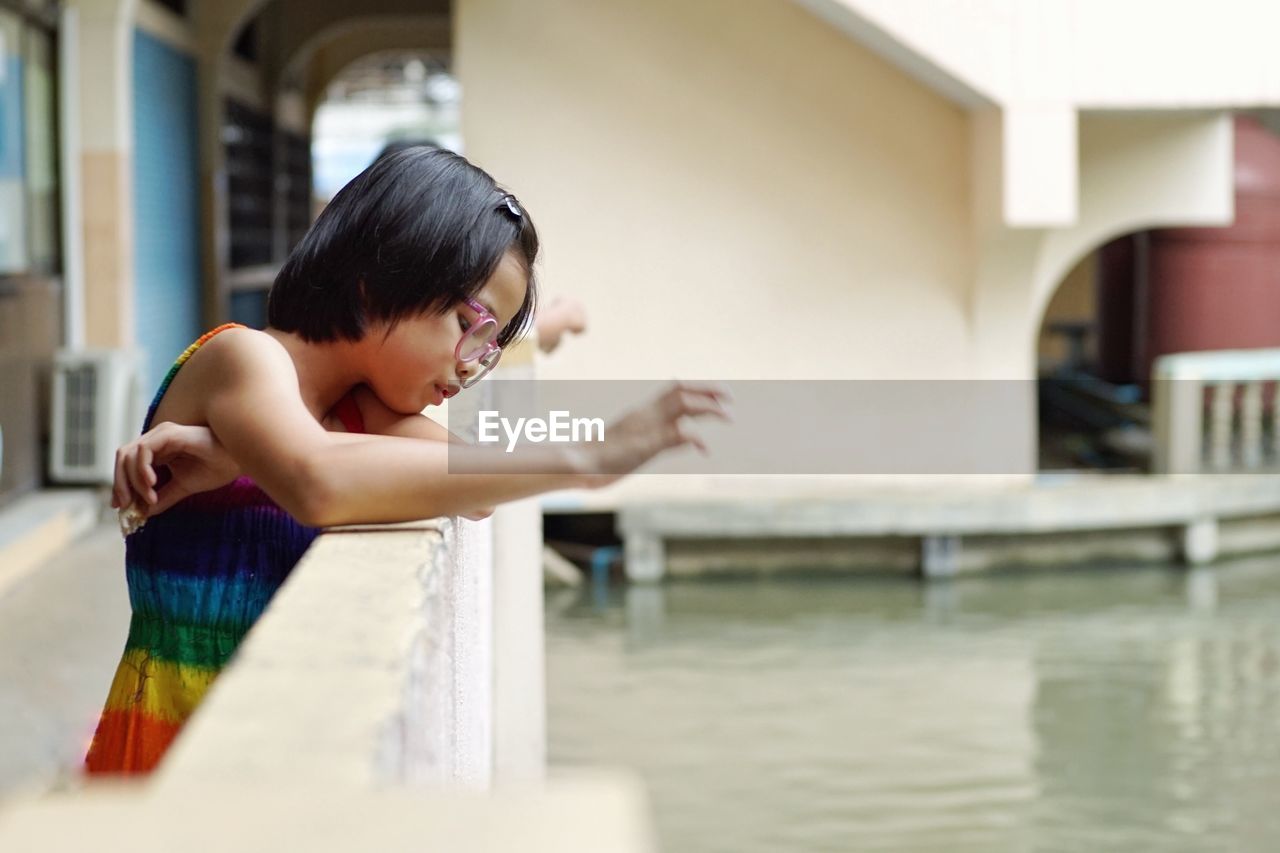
[
  {"x": 62, "y": 630},
  {"x": 919, "y": 523}
]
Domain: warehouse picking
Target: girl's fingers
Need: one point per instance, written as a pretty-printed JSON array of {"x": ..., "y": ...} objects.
[
  {"x": 149, "y": 466},
  {"x": 140, "y": 477},
  {"x": 136, "y": 482},
  {"x": 148, "y": 474},
  {"x": 685, "y": 435},
  {"x": 709, "y": 389},
  {"x": 714, "y": 409},
  {"x": 686, "y": 399},
  {"x": 696, "y": 400},
  {"x": 121, "y": 495},
  {"x": 116, "y": 492},
  {"x": 135, "y": 474}
]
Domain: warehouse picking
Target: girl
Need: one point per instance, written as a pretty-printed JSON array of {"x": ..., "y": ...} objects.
[{"x": 404, "y": 291}]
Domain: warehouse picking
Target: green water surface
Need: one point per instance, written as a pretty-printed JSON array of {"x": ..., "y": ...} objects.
[{"x": 1087, "y": 710}]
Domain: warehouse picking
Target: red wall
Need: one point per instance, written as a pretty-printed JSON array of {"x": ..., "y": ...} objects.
[{"x": 1206, "y": 288}]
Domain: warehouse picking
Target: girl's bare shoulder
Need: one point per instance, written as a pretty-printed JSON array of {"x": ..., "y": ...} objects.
[
  {"x": 242, "y": 348},
  {"x": 225, "y": 361}
]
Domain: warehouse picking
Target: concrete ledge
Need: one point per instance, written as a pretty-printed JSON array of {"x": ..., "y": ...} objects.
[
  {"x": 37, "y": 526},
  {"x": 340, "y": 672},
  {"x": 721, "y": 557},
  {"x": 578, "y": 812},
  {"x": 1094, "y": 503},
  {"x": 948, "y": 529},
  {"x": 356, "y": 715}
]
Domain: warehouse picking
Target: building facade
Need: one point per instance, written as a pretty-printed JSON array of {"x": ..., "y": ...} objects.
[
  {"x": 927, "y": 173},
  {"x": 31, "y": 297}
]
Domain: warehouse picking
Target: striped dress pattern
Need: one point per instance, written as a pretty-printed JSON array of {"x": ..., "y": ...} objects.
[{"x": 199, "y": 576}]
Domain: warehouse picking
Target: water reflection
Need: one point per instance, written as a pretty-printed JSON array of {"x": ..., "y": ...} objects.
[
  {"x": 1202, "y": 589},
  {"x": 1097, "y": 710},
  {"x": 646, "y": 611}
]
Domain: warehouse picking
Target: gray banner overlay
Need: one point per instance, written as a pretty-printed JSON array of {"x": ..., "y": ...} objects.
[{"x": 921, "y": 427}]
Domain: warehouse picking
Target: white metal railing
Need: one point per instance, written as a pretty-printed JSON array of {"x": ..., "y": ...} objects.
[{"x": 1216, "y": 411}]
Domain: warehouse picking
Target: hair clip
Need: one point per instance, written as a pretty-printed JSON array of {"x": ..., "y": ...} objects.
[{"x": 510, "y": 201}]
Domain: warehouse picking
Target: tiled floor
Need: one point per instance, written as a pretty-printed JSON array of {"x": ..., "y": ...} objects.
[{"x": 62, "y": 629}]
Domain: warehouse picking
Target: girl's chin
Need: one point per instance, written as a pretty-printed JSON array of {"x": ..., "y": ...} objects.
[
  {"x": 432, "y": 398},
  {"x": 406, "y": 408}
]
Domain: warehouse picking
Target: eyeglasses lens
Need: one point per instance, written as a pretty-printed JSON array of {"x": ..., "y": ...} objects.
[{"x": 477, "y": 340}]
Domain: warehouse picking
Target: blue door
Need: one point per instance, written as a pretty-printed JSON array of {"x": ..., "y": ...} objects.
[{"x": 166, "y": 192}]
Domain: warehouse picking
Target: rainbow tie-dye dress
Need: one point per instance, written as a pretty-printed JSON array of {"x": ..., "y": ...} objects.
[{"x": 199, "y": 576}]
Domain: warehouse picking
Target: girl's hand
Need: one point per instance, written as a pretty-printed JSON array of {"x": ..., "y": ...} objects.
[
  {"x": 644, "y": 432},
  {"x": 195, "y": 458},
  {"x": 562, "y": 315}
]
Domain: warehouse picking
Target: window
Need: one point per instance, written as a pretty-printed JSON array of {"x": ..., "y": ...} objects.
[
  {"x": 246, "y": 44},
  {"x": 13, "y": 213},
  {"x": 28, "y": 148},
  {"x": 247, "y": 134},
  {"x": 42, "y": 153}
]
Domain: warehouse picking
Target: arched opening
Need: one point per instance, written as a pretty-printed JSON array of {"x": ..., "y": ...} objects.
[
  {"x": 1157, "y": 292},
  {"x": 308, "y": 94},
  {"x": 383, "y": 98},
  {"x": 1093, "y": 410}
]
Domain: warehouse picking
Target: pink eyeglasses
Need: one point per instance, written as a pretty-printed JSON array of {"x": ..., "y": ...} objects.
[{"x": 477, "y": 343}]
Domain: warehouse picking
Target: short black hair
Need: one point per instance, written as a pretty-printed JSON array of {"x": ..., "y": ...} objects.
[
  {"x": 416, "y": 232},
  {"x": 395, "y": 146}
]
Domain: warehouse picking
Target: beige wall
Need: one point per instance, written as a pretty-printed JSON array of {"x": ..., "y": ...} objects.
[
  {"x": 1094, "y": 54},
  {"x": 745, "y": 164},
  {"x": 736, "y": 162},
  {"x": 1137, "y": 171}
]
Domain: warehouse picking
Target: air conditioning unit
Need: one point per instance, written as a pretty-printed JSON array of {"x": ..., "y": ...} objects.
[{"x": 97, "y": 406}]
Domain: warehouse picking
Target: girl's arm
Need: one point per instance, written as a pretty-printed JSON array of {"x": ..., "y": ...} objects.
[
  {"x": 197, "y": 462},
  {"x": 379, "y": 420},
  {"x": 253, "y": 406}
]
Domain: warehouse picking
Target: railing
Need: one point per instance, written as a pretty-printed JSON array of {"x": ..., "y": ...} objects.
[
  {"x": 432, "y": 657},
  {"x": 391, "y": 697},
  {"x": 362, "y": 711},
  {"x": 371, "y": 666},
  {"x": 1216, "y": 412}
]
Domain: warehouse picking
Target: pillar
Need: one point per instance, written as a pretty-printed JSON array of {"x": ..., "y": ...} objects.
[
  {"x": 102, "y": 43},
  {"x": 519, "y": 689}
]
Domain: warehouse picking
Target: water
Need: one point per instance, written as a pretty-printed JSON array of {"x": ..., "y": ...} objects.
[{"x": 1077, "y": 711}]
